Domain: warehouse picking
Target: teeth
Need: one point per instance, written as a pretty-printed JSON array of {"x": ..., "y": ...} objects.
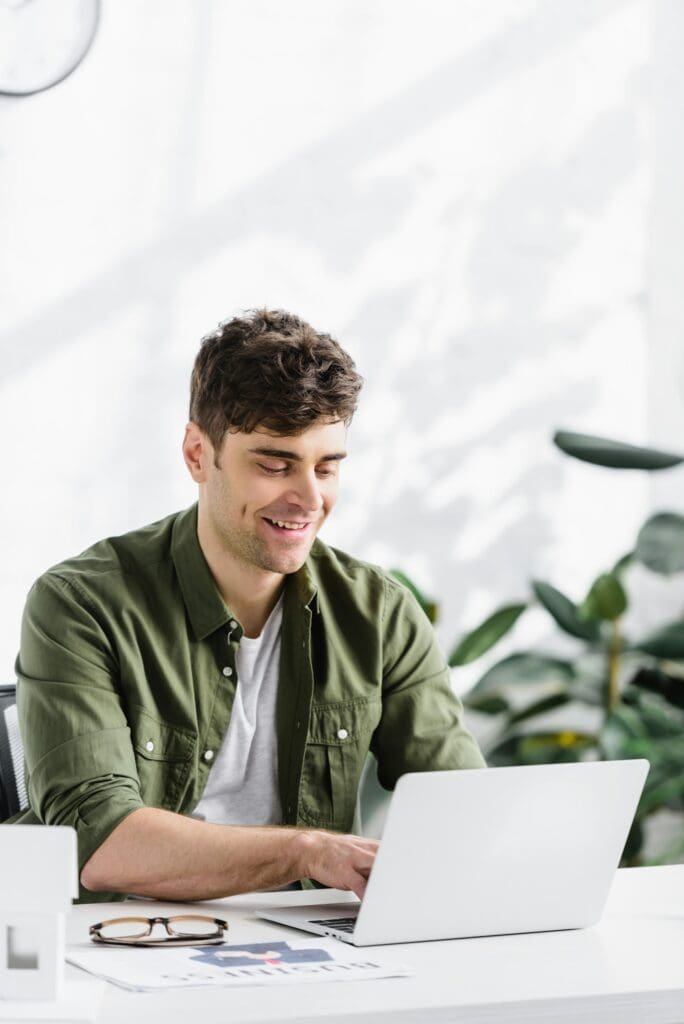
[{"x": 288, "y": 526}]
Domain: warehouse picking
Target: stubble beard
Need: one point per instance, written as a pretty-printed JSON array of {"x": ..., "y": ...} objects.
[
  {"x": 255, "y": 554},
  {"x": 247, "y": 546}
]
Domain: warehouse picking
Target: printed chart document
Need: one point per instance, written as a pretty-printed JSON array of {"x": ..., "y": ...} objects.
[{"x": 257, "y": 963}]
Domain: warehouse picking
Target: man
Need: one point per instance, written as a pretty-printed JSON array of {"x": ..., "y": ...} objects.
[{"x": 197, "y": 698}]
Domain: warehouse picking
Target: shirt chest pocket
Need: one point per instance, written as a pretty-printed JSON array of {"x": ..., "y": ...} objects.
[
  {"x": 337, "y": 744},
  {"x": 163, "y": 755}
]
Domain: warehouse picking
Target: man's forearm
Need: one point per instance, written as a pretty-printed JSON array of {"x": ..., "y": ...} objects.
[{"x": 168, "y": 856}]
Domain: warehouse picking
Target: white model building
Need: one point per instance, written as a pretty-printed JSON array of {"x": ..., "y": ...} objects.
[{"x": 38, "y": 880}]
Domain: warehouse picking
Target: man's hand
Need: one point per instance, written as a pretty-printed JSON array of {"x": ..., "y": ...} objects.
[{"x": 340, "y": 861}]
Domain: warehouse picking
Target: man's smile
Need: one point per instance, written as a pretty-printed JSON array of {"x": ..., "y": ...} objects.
[{"x": 289, "y": 527}]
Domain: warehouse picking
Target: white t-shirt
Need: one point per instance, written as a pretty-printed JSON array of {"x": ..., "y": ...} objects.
[{"x": 242, "y": 788}]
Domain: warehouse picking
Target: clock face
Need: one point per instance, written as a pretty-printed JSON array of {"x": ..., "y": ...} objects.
[{"x": 42, "y": 41}]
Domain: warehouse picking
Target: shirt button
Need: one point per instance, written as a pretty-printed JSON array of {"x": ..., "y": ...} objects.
[
  {"x": 149, "y": 746},
  {"x": 208, "y": 755},
  {"x": 227, "y": 671},
  {"x": 342, "y": 734},
  {"x": 233, "y": 624}
]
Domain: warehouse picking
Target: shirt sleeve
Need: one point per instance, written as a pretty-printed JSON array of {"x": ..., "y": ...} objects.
[
  {"x": 80, "y": 763},
  {"x": 422, "y": 726}
]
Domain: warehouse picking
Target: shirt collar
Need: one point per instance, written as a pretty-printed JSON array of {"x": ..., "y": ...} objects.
[
  {"x": 304, "y": 585},
  {"x": 206, "y": 608}
]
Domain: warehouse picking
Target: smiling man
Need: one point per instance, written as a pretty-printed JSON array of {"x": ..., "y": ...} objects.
[{"x": 197, "y": 698}]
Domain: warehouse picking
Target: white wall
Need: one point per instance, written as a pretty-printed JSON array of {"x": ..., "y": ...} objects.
[{"x": 461, "y": 192}]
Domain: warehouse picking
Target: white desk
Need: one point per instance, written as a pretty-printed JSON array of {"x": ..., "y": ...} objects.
[{"x": 628, "y": 968}]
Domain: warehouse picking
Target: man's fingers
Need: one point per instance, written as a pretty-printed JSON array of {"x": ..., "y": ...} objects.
[
  {"x": 364, "y": 864},
  {"x": 342, "y": 862},
  {"x": 360, "y": 889},
  {"x": 357, "y": 884},
  {"x": 365, "y": 842}
]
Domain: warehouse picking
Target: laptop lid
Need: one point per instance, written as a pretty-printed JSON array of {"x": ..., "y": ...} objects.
[{"x": 499, "y": 850}]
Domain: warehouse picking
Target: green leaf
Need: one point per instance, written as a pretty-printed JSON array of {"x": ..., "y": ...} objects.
[
  {"x": 430, "y": 608},
  {"x": 671, "y": 688},
  {"x": 660, "y": 544},
  {"x": 539, "y": 707},
  {"x": 519, "y": 669},
  {"x": 667, "y": 794},
  {"x": 622, "y": 565},
  {"x": 565, "y": 612},
  {"x": 540, "y": 748},
  {"x": 615, "y": 454},
  {"x": 620, "y": 728},
  {"x": 667, "y": 642},
  {"x": 487, "y": 705},
  {"x": 486, "y": 635},
  {"x": 662, "y": 723},
  {"x": 606, "y": 600}
]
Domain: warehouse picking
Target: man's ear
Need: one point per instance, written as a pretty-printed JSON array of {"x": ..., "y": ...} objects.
[{"x": 197, "y": 452}]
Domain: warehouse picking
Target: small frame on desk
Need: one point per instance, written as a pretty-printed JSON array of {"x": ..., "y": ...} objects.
[{"x": 38, "y": 881}]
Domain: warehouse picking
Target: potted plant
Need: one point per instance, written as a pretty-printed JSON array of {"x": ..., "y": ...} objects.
[{"x": 619, "y": 697}]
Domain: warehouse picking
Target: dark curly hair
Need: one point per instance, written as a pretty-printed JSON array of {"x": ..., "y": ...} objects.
[{"x": 268, "y": 368}]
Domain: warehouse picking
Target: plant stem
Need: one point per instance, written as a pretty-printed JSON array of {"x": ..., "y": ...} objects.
[{"x": 614, "y": 666}]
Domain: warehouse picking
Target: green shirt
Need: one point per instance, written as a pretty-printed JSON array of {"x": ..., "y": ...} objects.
[{"x": 127, "y": 674}]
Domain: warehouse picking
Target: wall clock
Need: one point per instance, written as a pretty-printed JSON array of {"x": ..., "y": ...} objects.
[{"x": 42, "y": 41}]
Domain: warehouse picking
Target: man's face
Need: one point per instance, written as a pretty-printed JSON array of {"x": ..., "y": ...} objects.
[{"x": 268, "y": 495}]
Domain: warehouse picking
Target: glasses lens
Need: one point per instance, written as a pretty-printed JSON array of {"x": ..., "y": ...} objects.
[
  {"x": 193, "y": 926},
  {"x": 125, "y": 928}
]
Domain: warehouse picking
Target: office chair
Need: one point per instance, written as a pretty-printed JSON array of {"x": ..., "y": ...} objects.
[{"x": 13, "y": 796}]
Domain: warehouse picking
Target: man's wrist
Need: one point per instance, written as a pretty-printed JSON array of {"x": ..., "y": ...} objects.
[{"x": 302, "y": 848}]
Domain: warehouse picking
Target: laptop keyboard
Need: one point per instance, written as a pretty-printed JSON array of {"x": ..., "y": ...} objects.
[{"x": 341, "y": 924}]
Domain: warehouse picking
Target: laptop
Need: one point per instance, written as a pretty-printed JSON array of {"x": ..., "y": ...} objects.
[{"x": 491, "y": 851}]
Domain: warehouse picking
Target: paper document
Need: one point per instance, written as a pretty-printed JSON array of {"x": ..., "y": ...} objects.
[{"x": 257, "y": 963}]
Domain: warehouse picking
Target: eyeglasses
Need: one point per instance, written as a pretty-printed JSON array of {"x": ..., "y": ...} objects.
[{"x": 183, "y": 930}]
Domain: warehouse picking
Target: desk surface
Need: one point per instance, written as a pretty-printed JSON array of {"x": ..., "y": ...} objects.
[{"x": 627, "y": 968}]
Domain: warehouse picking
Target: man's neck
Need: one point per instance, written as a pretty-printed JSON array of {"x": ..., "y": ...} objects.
[
  {"x": 250, "y": 593},
  {"x": 253, "y": 616}
]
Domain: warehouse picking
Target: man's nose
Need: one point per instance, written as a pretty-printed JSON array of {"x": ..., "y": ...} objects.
[{"x": 307, "y": 492}]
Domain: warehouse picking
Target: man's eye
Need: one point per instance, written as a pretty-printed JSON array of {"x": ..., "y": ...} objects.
[
  {"x": 272, "y": 469},
  {"x": 326, "y": 472}
]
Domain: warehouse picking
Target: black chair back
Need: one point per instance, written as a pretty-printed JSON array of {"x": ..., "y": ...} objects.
[{"x": 12, "y": 788}]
